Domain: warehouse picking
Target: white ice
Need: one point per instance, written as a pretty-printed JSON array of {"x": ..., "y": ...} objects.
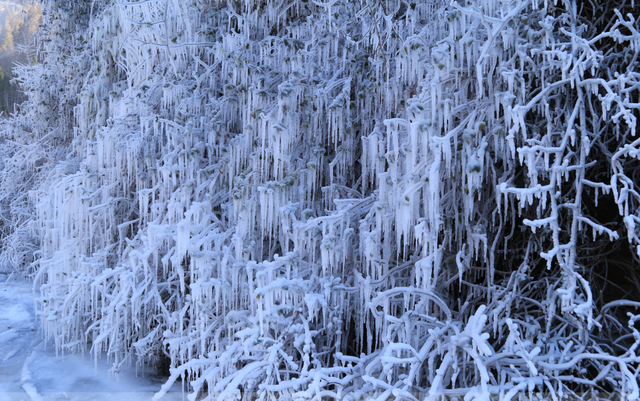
[{"x": 30, "y": 369}]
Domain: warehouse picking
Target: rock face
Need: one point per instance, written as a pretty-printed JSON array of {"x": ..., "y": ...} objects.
[{"x": 330, "y": 199}]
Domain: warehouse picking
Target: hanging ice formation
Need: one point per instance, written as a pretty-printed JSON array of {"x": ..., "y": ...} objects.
[{"x": 332, "y": 199}]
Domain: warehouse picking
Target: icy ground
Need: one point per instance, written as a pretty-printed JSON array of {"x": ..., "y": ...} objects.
[{"x": 30, "y": 370}]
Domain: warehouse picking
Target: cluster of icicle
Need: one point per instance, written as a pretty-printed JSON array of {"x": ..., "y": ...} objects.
[{"x": 308, "y": 199}]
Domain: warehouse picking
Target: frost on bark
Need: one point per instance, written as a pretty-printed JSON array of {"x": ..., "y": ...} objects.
[{"x": 337, "y": 199}]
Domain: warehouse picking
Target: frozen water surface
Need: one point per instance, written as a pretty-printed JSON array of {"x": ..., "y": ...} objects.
[{"x": 30, "y": 369}]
